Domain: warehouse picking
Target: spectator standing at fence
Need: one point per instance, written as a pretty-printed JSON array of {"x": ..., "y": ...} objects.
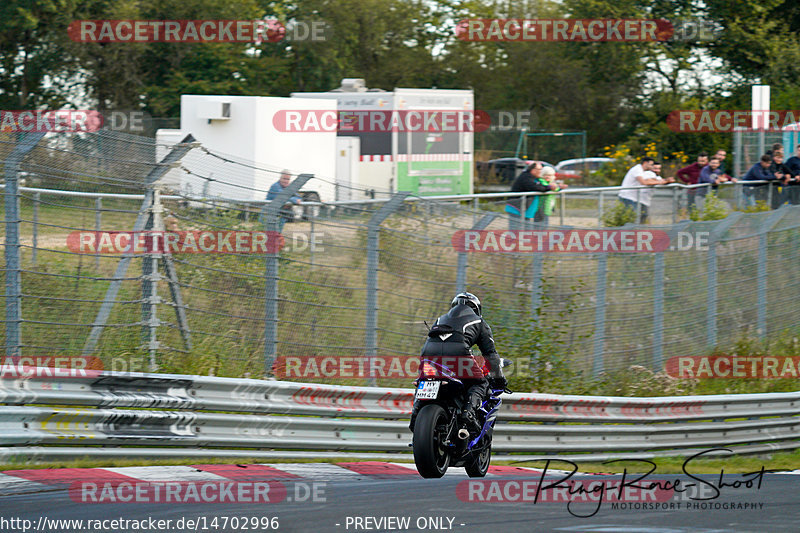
[
  {"x": 782, "y": 175},
  {"x": 639, "y": 175},
  {"x": 793, "y": 164},
  {"x": 777, "y": 147},
  {"x": 528, "y": 181},
  {"x": 721, "y": 155},
  {"x": 275, "y": 189},
  {"x": 689, "y": 175},
  {"x": 651, "y": 177},
  {"x": 711, "y": 175},
  {"x": 758, "y": 172}
]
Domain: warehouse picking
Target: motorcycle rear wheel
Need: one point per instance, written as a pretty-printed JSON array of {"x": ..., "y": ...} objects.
[{"x": 430, "y": 431}]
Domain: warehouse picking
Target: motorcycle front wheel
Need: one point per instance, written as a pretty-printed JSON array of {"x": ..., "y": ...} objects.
[
  {"x": 430, "y": 432},
  {"x": 479, "y": 465}
]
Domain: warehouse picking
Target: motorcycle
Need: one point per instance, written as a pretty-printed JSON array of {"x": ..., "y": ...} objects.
[{"x": 441, "y": 437}]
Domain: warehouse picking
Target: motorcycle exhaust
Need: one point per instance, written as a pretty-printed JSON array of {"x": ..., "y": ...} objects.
[{"x": 463, "y": 434}]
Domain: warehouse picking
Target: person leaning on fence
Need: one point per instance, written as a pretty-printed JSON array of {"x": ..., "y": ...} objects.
[
  {"x": 711, "y": 175},
  {"x": 274, "y": 190},
  {"x": 528, "y": 181},
  {"x": 689, "y": 176},
  {"x": 638, "y": 175},
  {"x": 782, "y": 175},
  {"x": 758, "y": 172},
  {"x": 777, "y": 147},
  {"x": 793, "y": 164},
  {"x": 721, "y": 155}
]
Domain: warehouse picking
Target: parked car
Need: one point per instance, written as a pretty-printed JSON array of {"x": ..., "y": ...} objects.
[
  {"x": 574, "y": 168},
  {"x": 505, "y": 169}
]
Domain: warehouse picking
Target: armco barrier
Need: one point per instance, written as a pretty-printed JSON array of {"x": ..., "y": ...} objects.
[{"x": 159, "y": 412}]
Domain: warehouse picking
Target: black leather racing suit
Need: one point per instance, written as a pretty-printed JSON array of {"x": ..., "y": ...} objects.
[{"x": 467, "y": 330}]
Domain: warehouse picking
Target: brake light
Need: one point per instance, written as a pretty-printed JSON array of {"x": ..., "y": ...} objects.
[{"x": 428, "y": 369}]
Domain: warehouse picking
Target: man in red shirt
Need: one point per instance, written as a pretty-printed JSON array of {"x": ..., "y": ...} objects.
[{"x": 690, "y": 175}]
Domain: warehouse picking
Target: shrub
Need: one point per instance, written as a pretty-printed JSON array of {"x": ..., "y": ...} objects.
[
  {"x": 619, "y": 215},
  {"x": 713, "y": 209}
]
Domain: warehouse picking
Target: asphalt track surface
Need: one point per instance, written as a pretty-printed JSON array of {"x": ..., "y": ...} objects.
[{"x": 363, "y": 497}]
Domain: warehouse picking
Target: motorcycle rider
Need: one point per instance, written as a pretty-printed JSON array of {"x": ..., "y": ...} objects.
[{"x": 452, "y": 336}]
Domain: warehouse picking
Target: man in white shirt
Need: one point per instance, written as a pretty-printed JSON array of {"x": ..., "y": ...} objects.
[{"x": 643, "y": 174}]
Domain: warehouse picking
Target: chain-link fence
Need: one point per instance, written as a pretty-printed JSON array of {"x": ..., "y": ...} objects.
[{"x": 355, "y": 280}]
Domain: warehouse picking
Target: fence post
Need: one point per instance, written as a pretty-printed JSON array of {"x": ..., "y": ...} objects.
[
  {"x": 35, "y": 237},
  {"x": 638, "y": 206},
  {"x": 600, "y": 217},
  {"x": 771, "y": 221},
  {"x": 272, "y": 217},
  {"x": 711, "y": 294},
  {"x": 373, "y": 227},
  {"x": 165, "y": 165},
  {"x": 461, "y": 271},
  {"x": 675, "y": 206},
  {"x": 98, "y": 206},
  {"x": 536, "y": 282},
  {"x": 150, "y": 279},
  {"x": 600, "y": 315},
  {"x": 658, "y": 313},
  {"x": 563, "y": 207},
  {"x": 13, "y": 267}
]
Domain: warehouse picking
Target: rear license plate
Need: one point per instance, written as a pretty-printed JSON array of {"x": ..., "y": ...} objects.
[{"x": 428, "y": 390}]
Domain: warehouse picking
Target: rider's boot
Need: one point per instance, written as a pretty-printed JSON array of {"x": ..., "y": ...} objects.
[{"x": 470, "y": 411}]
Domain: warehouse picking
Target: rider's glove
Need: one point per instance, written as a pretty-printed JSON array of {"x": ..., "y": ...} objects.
[{"x": 497, "y": 380}]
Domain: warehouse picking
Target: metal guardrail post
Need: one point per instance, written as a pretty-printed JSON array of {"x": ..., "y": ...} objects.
[
  {"x": 272, "y": 216},
  {"x": 600, "y": 315},
  {"x": 176, "y": 154},
  {"x": 13, "y": 267},
  {"x": 371, "y": 326},
  {"x": 37, "y": 197},
  {"x": 461, "y": 269}
]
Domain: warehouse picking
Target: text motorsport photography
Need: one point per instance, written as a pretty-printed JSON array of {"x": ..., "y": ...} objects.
[{"x": 585, "y": 495}]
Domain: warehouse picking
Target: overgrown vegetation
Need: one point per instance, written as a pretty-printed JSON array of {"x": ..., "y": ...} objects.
[
  {"x": 619, "y": 215},
  {"x": 713, "y": 209}
]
